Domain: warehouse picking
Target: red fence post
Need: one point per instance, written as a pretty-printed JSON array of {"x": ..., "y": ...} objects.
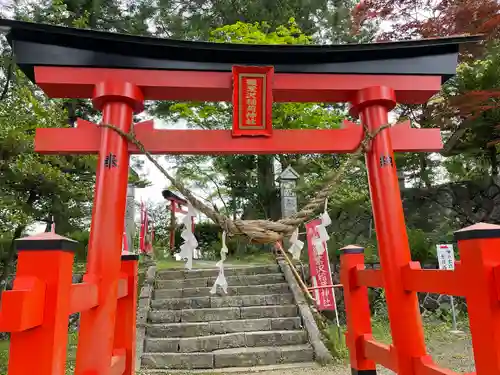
[
  {"x": 41, "y": 350},
  {"x": 126, "y": 309},
  {"x": 373, "y": 105},
  {"x": 357, "y": 308},
  {"x": 118, "y": 101},
  {"x": 479, "y": 247}
]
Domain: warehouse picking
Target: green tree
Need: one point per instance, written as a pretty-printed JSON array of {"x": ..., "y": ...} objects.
[
  {"x": 326, "y": 20},
  {"x": 248, "y": 180},
  {"x": 33, "y": 186}
]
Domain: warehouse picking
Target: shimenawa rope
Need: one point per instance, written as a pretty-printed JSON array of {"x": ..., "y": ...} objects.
[{"x": 261, "y": 231}]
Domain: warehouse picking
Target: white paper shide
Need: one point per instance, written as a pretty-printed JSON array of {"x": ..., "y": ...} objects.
[
  {"x": 190, "y": 243},
  {"x": 323, "y": 236},
  {"x": 221, "y": 279},
  {"x": 296, "y": 245}
]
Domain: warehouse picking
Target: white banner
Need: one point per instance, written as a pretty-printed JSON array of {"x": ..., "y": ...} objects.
[{"x": 446, "y": 257}]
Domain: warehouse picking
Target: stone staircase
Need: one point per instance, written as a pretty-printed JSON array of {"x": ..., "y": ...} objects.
[{"x": 256, "y": 324}]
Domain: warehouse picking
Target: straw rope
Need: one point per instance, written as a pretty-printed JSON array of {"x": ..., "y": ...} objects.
[{"x": 261, "y": 231}]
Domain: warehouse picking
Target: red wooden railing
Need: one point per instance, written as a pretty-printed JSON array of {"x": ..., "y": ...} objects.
[
  {"x": 476, "y": 277},
  {"x": 37, "y": 309}
]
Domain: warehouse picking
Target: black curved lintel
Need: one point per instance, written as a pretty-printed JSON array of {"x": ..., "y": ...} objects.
[{"x": 47, "y": 45}]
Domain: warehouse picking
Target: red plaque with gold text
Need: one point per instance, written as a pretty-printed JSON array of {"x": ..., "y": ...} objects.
[{"x": 252, "y": 100}]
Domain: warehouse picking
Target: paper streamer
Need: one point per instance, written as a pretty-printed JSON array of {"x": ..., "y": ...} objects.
[
  {"x": 221, "y": 279},
  {"x": 323, "y": 236},
  {"x": 190, "y": 242},
  {"x": 296, "y": 245}
]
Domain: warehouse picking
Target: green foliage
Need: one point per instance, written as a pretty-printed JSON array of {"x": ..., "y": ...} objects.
[
  {"x": 34, "y": 186},
  {"x": 260, "y": 33},
  {"x": 420, "y": 245},
  {"x": 82, "y": 237},
  {"x": 326, "y": 20},
  {"x": 244, "y": 185},
  {"x": 335, "y": 341},
  {"x": 474, "y": 104}
]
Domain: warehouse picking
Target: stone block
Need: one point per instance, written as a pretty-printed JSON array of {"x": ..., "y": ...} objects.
[
  {"x": 240, "y": 326},
  {"x": 244, "y": 280},
  {"x": 168, "y": 293},
  {"x": 179, "y": 330},
  {"x": 181, "y": 361},
  {"x": 199, "y": 344},
  {"x": 262, "y": 356},
  {"x": 170, "y": 275},
  {"x": 165, "y": 316},
  {"x": 251, "y": 312},
  {"x": 261, "y": 289},
  {"x": 150, "y": 275},
  {"x": 297, "y": 353},
  {"x": 194, "y": 292},
  {"x": 279, "y": 299},
  {"x": 238, "y": 301},
  {"x": 181, "y": 303},
  {"x": 275, "y": 338},
  {"x": 246, "y": 357},
  {"x": 210, "y": 314},
  {"x": 146, "y": 291},
  {"x": 201, "y": 273},
  {"x": 144, "y": 303},
  {"x": 183, "y": 283},
  {"x": 253, "y": 270},
  {"x": 281, "y": 324},
  {"x": 162, "y": 345},
  {"x": 142, "y": 317},
  {"x": 231, "y": 340}
]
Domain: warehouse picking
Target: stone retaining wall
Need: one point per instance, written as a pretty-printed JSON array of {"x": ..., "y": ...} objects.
[{"x": 322, "y": 354}]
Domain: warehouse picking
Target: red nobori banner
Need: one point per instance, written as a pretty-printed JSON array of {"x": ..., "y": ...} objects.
[
  {"x": 319, "y": 266},
  {"x": 252, "y": 100}
]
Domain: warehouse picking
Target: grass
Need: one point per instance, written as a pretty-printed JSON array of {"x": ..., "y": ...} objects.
[
  {"x": 435, "y": 330},
  {"x": 449, "y": 350},
  {"x": 71, "y": 354}
]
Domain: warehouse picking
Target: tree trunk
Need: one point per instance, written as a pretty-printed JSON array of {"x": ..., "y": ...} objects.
[
  {"x": 493, "y": 161},
  {"x": 267, "y": 190},
  {"x": 424, "y": 172}
]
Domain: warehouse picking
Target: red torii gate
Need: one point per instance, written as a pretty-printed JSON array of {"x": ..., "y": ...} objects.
[
  {"x": 119, "y": 72},
  {"x": 176, "y": 205}
]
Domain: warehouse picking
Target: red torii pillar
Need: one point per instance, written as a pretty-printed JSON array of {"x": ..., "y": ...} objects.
[
  {"x": 117, "y": 100},
  {"x": 372, "y": 105}
]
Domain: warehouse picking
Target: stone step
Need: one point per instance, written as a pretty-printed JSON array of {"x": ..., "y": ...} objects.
[
  {"x": 236, "y": 357},
  {"x": 198, "y": 329},
  {"x": 231, "y": 291},
  {"x": 229, "y": 301},
  {"x": 287, "y": 368},
  {"x": 213, "y": 272},
  {"x": 222, "y": 313},
  {"x": 225, "y": 341},
  {"x": 237, "y": 280}
]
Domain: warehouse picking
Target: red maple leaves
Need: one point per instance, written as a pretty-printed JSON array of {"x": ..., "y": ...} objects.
[{"x": 412, "y": 19}]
